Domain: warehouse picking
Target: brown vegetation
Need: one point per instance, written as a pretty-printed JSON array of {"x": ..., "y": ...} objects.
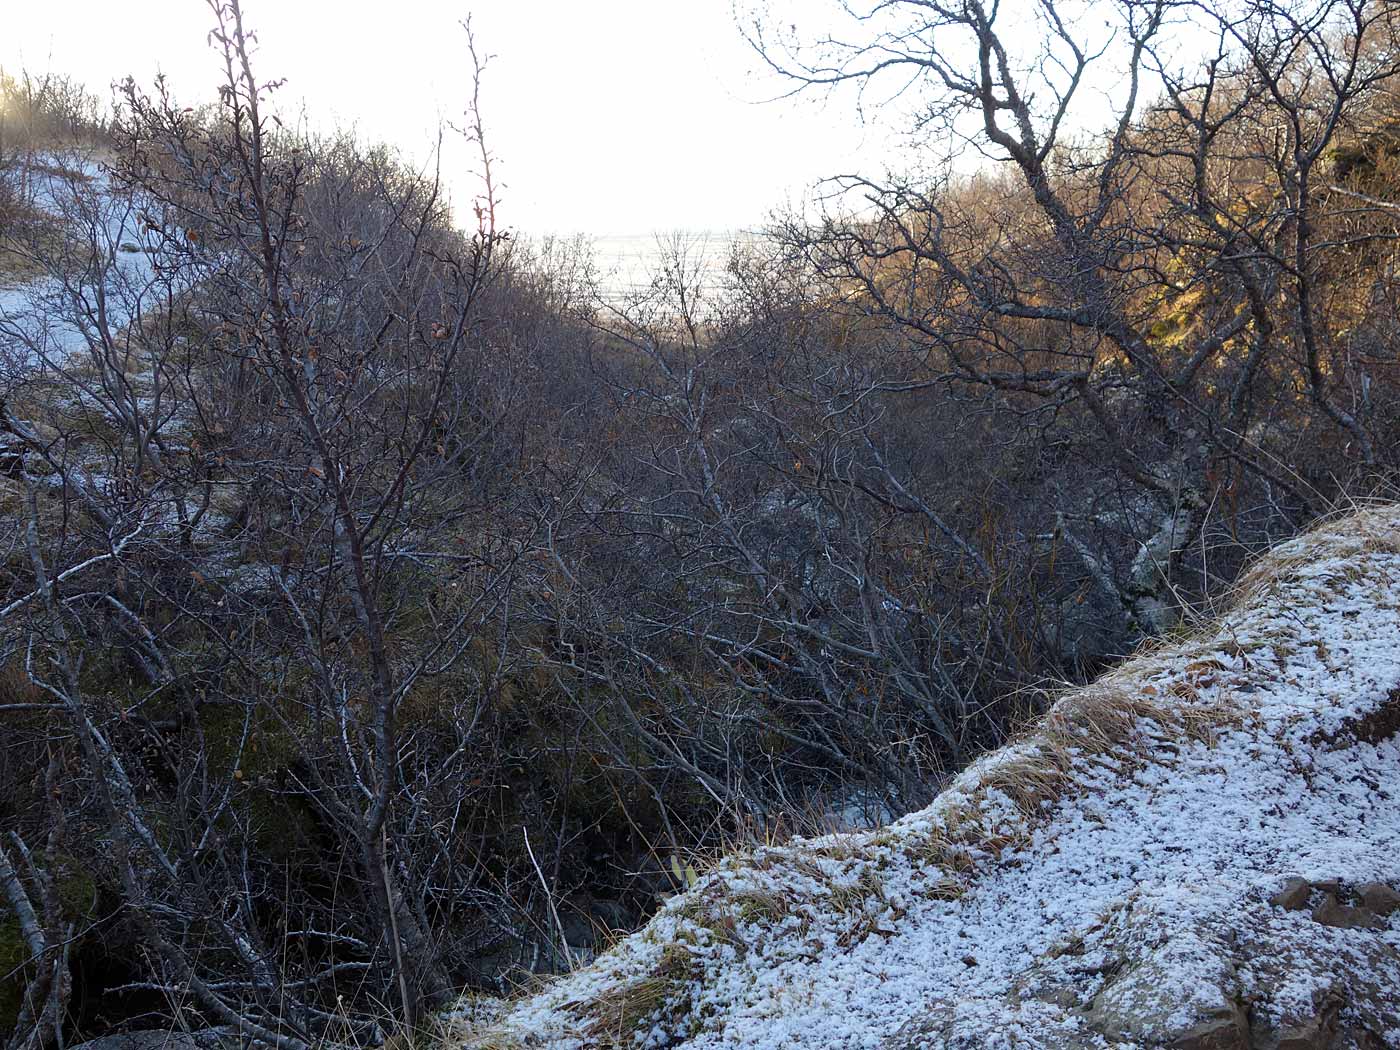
[{"x": 381, "y": 611}]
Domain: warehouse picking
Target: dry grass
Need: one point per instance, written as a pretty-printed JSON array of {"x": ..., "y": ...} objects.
[
  {"x": 1349, "y": 533},
  {"x": 16, "y": 686},
  {"x": 766, "y": 906},
  {"x": 613, "y": 1017},
  {"x": 22, "y": 229}
]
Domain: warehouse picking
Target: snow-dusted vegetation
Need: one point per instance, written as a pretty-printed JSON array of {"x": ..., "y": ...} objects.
[{"x": 406, "y": 634}]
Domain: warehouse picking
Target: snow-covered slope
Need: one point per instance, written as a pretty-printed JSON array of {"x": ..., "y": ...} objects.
[
  {"x": 1201, "y": 850},
  {"x": 101, "y": 273}
]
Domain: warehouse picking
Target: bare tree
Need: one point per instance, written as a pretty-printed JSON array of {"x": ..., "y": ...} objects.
[
  {"x": 1048, "y": 286},
  {"x": 276, "y": 429}
]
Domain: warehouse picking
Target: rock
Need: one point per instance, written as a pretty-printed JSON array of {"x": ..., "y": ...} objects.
[
  {"x": 1149, "y": 1004},
  {"x": 160, "y": 1039},
  {"x": 1317, "y": 1032},
  {"x": 1144, "y": 1013},
  {"x": 1294, "y": 895},
  {"x": 1315, "y": 996},
  {"x": 1378, "y": 898},
  {"x": 1332, "y": 912},
  {"x": 976, "y": 1024},
  {"x": 1227, "y": 1032},
  {"x": 1246, "y": 979}
]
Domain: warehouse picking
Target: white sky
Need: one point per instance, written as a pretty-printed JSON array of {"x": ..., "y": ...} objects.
[{"x": 609, "y": 117}]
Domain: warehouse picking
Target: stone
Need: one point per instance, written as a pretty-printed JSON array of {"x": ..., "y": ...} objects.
[
  {"x": 1378, "y": 898},
  {"x": 1332, "y": 912},
  {"x": 1258, "y": 981},
  {"x": 159, "y": 1039},
  {"x": 1294, "y": 895},
  {"x": 1229, "y": 1031},
  {"x": 1331, "y": 1006},
  {"x": 969, "y": 1024},
  {"x": 1316, "y": 1033},
  {"x": 1148, "y": 1005}
]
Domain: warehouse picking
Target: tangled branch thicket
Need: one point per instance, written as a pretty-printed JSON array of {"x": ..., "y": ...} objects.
[{"x": 383, "y": 609}]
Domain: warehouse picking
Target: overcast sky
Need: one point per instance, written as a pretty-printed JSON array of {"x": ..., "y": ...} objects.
[{"x": 609, "y": 117}]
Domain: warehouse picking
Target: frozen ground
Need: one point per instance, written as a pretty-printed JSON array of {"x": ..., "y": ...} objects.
[{"x": 1202, "y": 847}]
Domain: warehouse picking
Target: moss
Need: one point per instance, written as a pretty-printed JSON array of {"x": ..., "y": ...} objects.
[
  {"x": 77, "y": 890},
  {"x": 13, "y": 954},
  {"x": 270, "y": 746},
  {"x": 281, "y": 825},
  {"x": 433, "y": 700},
  {"x": 280, "y": 821}
]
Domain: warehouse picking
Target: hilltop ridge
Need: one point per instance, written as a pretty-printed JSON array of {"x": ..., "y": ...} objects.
[{"x": 1196, "y": 851}]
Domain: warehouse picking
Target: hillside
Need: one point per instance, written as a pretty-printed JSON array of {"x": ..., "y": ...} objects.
[
  {"x": 1197, "y": 851},
  {"x": 397, "y": 611},
  {"x": 46, "y": 311}
]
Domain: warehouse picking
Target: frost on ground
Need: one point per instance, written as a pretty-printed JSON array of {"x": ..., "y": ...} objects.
[
  {"x": 107, "y": 276},
  {"x": 1201, "y": 851}
]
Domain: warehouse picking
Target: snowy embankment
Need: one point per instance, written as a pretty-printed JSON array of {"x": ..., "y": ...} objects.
[
  {"x": 97, "y": 273},
  {"x": 1201, "y": 851}
]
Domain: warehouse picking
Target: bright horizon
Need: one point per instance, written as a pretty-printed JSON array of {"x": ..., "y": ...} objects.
[{"x": 629, "y": 117}]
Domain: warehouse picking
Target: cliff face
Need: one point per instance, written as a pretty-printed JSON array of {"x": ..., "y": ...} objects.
[{"x": 1200, "y": 851}]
